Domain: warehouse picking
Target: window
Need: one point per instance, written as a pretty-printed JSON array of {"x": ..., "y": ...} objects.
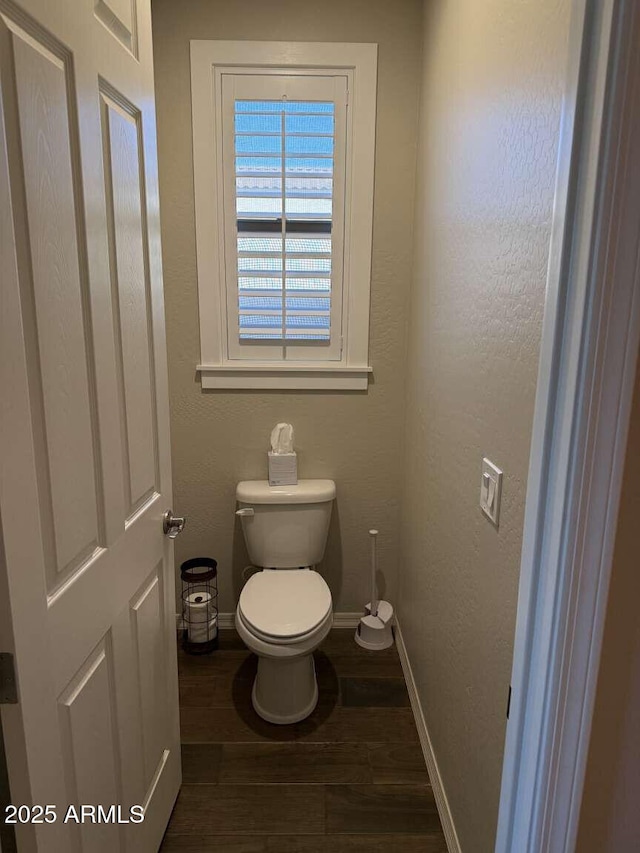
[
  {"x": 283, "y": 171},
  {"x": 283, "y": 138}
]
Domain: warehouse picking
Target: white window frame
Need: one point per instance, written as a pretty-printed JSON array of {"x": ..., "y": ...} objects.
[{"x": 358, "y": 62}]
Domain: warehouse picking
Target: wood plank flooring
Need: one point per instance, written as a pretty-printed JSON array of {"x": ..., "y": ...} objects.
[{"x": 349, "y": 779}]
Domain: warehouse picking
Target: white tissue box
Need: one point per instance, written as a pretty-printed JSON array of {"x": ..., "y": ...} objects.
[{"x": 283, "y": 469}]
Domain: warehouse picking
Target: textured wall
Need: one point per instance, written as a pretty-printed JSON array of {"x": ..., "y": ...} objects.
[
  {"x": 609, "y": 818},
  {"x": 219, "y": 438},
  {"x": 490, "y": 108}
]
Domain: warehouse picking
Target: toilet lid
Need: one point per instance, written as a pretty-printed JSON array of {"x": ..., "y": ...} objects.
[{"x": 285, "y": 602}]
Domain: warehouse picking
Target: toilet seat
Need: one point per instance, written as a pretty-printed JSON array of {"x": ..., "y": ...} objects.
[{"x": 284, "y": 605}]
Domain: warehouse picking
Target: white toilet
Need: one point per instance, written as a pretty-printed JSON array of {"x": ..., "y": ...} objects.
[{"x": 285, "y": 610}]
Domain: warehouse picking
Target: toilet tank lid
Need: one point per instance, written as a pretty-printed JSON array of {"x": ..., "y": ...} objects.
[{"x": 306, "y": 492}]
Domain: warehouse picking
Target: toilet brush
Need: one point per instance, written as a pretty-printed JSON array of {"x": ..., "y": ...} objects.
[{"x": 374, "y": 630}]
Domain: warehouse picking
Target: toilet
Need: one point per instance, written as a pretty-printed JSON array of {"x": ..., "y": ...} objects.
[{"x": 285, "y": 610}]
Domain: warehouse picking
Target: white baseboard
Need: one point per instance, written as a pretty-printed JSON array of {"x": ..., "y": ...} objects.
[
  {"x": 347, "y": 619},
  {"x": 226, "y": 620},
  {"x": 340, "y": 620},
  {"x": 446, "y": 818}
]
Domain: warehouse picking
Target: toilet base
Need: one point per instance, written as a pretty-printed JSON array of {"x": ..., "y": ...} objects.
[{"x": 285, "y": 690}]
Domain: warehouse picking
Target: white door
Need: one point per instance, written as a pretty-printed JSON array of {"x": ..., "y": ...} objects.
[{"x": 86, "y": 575}]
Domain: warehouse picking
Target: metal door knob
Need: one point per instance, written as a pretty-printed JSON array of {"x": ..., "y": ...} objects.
[{"x": 172, "y": 524}]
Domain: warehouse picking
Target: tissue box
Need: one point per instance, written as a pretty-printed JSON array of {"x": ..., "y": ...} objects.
[{"x": 283, "y": 469}]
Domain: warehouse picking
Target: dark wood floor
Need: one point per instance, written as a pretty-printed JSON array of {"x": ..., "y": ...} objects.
[{"x": 349, "y": 778}]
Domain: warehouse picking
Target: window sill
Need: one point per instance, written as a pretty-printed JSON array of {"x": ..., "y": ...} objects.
[{"x": 289, "y": 378}]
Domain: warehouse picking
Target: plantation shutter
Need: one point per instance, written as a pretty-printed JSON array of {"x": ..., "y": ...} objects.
[{"x": 283, "y": 164}]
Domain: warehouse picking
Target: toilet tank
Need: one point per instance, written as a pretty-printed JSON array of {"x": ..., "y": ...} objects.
[{"x": 285, "y": 527}]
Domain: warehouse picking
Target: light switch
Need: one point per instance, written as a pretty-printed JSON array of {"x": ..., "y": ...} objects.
[{"x": 490, "y": 490}]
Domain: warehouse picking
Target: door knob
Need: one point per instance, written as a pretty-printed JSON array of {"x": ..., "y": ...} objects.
[{"x": 172, "y": 524}]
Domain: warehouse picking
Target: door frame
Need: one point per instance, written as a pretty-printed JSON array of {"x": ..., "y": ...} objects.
[
  {"x": 588, "y": 357},
  {"x": 591, "y": 334}
]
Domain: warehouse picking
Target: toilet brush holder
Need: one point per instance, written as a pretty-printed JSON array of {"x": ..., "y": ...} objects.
[{"x": 376, "y": 632}]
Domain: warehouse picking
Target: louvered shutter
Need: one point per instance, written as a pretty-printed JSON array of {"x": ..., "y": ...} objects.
[{"x": 283, "y": 162}]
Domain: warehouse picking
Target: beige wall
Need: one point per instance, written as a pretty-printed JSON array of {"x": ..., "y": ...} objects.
[
  {"x": 492, "y": 85},
  {"x": 610, "y": 817},
  {"x": 221, "y": 438}
]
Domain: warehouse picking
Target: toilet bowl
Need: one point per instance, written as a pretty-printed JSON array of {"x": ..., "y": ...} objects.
[
  {"x": 283, "y": 620},
  {"x": 285, "y": 610}
]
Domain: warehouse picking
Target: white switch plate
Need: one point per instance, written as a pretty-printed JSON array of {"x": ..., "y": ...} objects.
[{"x": 490, "y": 490}]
